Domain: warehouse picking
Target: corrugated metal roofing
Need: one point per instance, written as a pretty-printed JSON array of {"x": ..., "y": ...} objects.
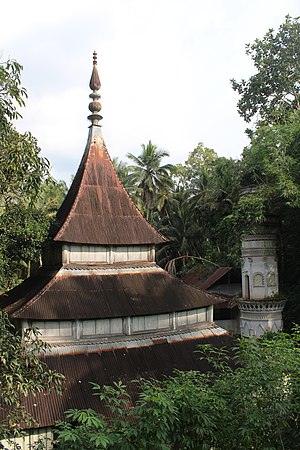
[
  {"x": 197, "y": 276},
  {"x": 214, "y": 277},
  {"x": 104, "y": 367},
  {"x": 69, "y": 296},
  {"x": 97, "y": 208}
]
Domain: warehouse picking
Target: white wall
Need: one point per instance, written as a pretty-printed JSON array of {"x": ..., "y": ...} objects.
[
  {"x": 64, "y": 331},
  {"x": 30, "y": 437},
  {"x": 260, "y": 268},
  {"x": 97, "y": 254}
]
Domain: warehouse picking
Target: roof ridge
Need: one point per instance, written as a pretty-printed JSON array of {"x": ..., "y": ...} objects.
[
  {"x": 84, "y": 160},
  {"x": 35, "y": 298}
]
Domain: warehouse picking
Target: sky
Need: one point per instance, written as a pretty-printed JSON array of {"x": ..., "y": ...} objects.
[{"x": 165, "y": 68}]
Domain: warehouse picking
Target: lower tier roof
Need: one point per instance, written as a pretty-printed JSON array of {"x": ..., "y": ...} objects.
[
  {"x": 82, "y": 293},
  {"x": 151, "y": 357}
]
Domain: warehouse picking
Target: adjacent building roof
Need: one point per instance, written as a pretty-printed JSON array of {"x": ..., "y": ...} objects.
[
  {"x": 150, "y": 357},
  {"x": 104, "y": 292},
  {"x": 214, "y": 277}
]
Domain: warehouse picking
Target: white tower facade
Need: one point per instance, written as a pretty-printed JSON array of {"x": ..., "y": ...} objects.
[{"x": 260, "y": 308}]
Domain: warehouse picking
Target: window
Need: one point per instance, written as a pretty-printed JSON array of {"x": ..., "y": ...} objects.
[{"x": 258, "y": 280}]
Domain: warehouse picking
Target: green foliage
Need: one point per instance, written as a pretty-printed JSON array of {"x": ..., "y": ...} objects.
[
  {"x": 272, "y": 161},
  {"x": 23, "y": 231},
  {"x": 194, "y": 172},
  {"x": 21, "y": 167},
  {"x": 149, "y": 175},
  {"x": 125, "y": 175},
  {"x": 251, "y": 401},
  {"x": 29, "y": 198},
  {"x": 11, "y": 91},
  {"x": 89, "y": 433},
  {"x": 178, "y": 226},
  {"x": 274, "y": 90},
  {"x": 22, "y": 373},
  {"x": 198, "y": 221},
  {"x": 50, "y": 197},
  {"x": 270, "y": 182}
]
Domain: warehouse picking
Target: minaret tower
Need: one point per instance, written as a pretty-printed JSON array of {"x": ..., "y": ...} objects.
[{"x": 260, "y": 308}]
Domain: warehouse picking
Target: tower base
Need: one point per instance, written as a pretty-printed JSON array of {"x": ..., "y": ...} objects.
[{"x": 260, "y": 316}]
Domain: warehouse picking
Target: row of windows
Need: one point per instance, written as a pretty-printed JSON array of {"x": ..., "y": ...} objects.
[{"x": 118, "y": 326}]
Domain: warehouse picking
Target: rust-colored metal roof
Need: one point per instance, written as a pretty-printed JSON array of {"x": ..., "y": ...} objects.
[
  {"x": 71, "y": 295},
  {"x": 160, "y": 357},
  {"x": 97, "y": 208},
  {"x": 214, "y": 277},
  {"x": 196, "y": 274}
]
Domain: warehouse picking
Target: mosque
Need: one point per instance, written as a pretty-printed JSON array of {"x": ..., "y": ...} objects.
[{"x": 107, "y": 309}]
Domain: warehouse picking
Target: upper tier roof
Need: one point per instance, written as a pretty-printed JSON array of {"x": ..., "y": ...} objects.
[{"x": 97, "y": 208}]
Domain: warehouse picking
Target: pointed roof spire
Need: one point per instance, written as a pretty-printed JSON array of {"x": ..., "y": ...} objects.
[
  {"x": 95, "y": 84},
  {"x": 97, "y": 209}
]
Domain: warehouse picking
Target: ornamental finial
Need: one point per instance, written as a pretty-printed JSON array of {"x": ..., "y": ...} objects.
[
  {"x": 95, "y": 105},
  {"x": 95, "y": 58}
]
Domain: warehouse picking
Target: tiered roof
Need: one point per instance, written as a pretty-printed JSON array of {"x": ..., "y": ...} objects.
[{"x": 98, "y": 211}]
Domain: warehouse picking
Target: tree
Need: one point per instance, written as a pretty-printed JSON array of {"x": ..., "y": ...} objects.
[
  {"x": 121, "y": 168},
  {"x": 22, "y": 169},
  {"x": 11, "y": 91},
  {"x": 270, "y": 164},
  {"x": 23, "y": 231},
  {"x": 184, "y": 234},
  {"x": 274, "y": 90},
  {"x": 198, "y": 222},
  {"x": 25, "y": 185},
  {"x": 251, "y": 401},
  {"x": 22, "y": 373},
  {"x": 50, "y": 197},
  {"x": 272, "y": 161},
  {"x": 125, "y": 176},
  {"x": 149, "y": 175},
  {"x": 193, "y": 174}
]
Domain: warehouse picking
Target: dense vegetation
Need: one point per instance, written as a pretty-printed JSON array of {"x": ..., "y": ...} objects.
[
  {"x": 29, "y": 196},
  {"x": 22, "y": 373},
  {"x": 251, "y": 403}
]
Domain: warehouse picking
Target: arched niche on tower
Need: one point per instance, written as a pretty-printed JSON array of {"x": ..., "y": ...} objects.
[
  {"x": 271, "y": 279},
  {"x": 258, "y": 279}
]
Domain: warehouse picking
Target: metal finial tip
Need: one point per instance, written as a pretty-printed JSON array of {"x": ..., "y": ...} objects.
[
  {"x": 95, "y": 105},
  {"x": 95, "y": 80},
  {"x": 95, "y": 58}
]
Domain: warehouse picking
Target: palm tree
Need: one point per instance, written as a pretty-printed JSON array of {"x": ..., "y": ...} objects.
[
  {"x": 184, "y": 232},
  {"x": 149, "y": 175},
  {"x": 124, "y": 175}
]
